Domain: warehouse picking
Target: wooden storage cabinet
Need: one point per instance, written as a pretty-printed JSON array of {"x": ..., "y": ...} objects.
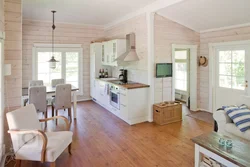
[{"x": 165, "y": 113}]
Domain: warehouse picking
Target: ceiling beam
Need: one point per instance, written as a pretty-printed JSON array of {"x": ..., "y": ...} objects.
[{"x": 153, "y": 7}]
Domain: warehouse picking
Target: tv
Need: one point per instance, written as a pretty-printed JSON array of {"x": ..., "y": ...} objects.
[{"x": 164, "y": 70}]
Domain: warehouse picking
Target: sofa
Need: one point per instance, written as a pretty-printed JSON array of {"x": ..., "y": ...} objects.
[{"x": 226, "y": 126}]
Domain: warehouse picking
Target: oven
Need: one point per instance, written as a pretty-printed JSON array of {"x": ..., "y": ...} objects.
[{"x": 115, "y": 96}]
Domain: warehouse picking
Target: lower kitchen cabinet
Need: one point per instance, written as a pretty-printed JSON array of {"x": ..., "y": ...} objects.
[
  {"x": 133, "y": 102},
  {"x": 134, "y": 105}
]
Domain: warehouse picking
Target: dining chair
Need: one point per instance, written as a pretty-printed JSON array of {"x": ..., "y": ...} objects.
[
  {"x": 30, "y": 142},
  {"x": 62, "y": 100},
  {"x": 37, "y": 96},
  {"x": 32, "y": 83},
  {"x": 35, "y": 83},
  {"x": 55, "y": 82}
]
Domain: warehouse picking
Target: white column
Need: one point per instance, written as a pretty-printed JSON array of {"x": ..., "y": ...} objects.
[{"x": 151, "y": 63}]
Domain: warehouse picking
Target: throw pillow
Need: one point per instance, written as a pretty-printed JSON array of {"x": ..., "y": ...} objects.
[{"x": 240, "y": 116}]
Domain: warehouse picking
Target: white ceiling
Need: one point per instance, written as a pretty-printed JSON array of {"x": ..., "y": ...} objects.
[
  {"x": 94, "y": 12},
  {"x": 204, "y": 15}
]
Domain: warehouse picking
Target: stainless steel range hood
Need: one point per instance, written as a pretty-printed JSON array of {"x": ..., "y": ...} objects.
[{"x": 130, "y": 54}]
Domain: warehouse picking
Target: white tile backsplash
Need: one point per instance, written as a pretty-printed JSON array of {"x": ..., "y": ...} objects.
[{"x": 135, "y": 75}]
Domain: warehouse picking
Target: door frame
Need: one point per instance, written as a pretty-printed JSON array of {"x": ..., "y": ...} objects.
[
  {"x": 212, "y": 71},
  {"x": 193, "y": 76}
]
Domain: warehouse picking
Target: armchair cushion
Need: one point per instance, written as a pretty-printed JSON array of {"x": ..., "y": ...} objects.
[
  {"x": 57, "y": 143},
  {"x": 24, "y": 118},
  {"x": 221, "y": 116},
  {"x": 232, "y": 129}
]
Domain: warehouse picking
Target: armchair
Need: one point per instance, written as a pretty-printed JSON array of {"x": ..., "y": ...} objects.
[{"x": 33, "y": 144}]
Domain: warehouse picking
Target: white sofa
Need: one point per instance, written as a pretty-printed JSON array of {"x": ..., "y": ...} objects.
[{"x": 227, "y": 127}]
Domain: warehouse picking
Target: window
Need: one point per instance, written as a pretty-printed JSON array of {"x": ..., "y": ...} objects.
[
  {"x": 181, "y": 70},
  {"x": 232, "y": 69},
  {"x": 68, "y": 67}
]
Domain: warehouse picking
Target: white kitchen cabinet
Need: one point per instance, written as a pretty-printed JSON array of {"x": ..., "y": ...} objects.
[
  {"x": 102, "y": 95},
  {"x": 133, "y": 102},
  {"x": 134, "y": 105},
  {"x": 95, "y": 65},
  {"x": 111, "y": 50}
]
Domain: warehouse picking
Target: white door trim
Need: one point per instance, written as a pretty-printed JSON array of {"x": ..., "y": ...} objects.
[
  {"x": 212, "y": 79},
  {"x": 193, "y": 64}
]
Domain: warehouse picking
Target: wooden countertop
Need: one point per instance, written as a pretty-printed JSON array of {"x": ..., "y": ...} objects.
[
  {"x": 131, "y": 85},
  {"x": 134, "y": 86}
]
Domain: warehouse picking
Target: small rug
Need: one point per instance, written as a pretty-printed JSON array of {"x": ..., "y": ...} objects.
[{"x": 202, "y": 116}]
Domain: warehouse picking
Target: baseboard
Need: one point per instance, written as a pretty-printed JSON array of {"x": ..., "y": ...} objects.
[
  {"x": 81, "y": 100},
  {"x": 201, "y": 109}
]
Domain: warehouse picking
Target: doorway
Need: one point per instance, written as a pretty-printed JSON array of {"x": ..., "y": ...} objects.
[
  {"x": 182, "y": 85},
  {"x": 184, "y": 80},
  {"x": 230, "y": 74}
]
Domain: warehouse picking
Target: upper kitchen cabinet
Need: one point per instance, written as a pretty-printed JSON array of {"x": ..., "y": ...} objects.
[
  {"x": 111, "y": 50},
  {"x": 104, "y": 47}
]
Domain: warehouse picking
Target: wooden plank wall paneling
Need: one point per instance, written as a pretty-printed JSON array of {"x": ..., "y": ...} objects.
[
  {"x": 40, "y": 32},
  {"x": 13, "y": 51},
  {"x": 1, "y": 15},
  {"x": 235, "y": 34},
  {"x": 167, "y": 33},
  {"x": 137, "y": 71}
]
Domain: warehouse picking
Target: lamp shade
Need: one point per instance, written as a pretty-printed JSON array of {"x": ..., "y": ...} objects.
[
  {"x": 7, "y": 69},
  {"x": 52, "y": 62}
]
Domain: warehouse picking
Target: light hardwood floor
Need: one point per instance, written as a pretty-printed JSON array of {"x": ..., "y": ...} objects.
[{"x": 101, "y": 139}]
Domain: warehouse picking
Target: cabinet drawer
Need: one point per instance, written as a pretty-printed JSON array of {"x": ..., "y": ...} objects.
[
  {"x": 123, "y": 98},
  {"x": 123, "y": 91}
]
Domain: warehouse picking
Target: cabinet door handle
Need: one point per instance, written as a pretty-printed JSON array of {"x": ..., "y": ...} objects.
[
  {"x": 123, "y": 94},
  {"x": 123, "y": 105}
]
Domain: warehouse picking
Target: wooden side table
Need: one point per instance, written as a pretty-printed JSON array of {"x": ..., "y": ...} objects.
[{"x": 208, "y": 144}]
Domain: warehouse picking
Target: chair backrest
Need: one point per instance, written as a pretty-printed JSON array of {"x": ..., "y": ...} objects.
[
  {"x": 37, "y": 96},
  {"x": 23, "y": 118},
  {"x": 55, "y": 82},
  {"x": 35, "y": 83},
  {"x": 63, "y": 96}
]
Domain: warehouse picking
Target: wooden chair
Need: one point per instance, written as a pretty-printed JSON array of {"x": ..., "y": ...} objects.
[
  {"x": 55, "y": 82},
  {"x": 62, "y": 99},
  {"x": 30, "y": 142},
  {"x": 37, "y": 96}
]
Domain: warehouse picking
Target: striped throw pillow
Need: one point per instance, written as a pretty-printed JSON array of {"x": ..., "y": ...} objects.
[{"x": 240, "y": 116}]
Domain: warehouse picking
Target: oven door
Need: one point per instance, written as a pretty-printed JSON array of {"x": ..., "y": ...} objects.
[{"x": 115, "y": 99}]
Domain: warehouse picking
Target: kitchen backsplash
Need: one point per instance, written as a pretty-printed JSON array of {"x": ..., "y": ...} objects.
[{"x": 135, "y": 75}]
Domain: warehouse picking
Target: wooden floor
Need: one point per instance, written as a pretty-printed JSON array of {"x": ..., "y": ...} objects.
[{"x": 102, "y": 139}]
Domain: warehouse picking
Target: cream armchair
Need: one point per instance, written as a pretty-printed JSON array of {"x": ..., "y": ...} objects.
[{"x": 33, "y": 144}]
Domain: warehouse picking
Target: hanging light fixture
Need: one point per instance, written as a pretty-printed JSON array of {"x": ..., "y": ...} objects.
[{"x": 53, "y": 61}]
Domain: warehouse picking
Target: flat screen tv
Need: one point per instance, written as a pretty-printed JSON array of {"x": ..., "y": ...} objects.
[{"x": 164, "y": 70}]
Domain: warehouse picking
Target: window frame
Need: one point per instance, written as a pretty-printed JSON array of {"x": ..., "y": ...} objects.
[
  {"x": 232, "y": 48},
  {"x": 187, "y": 61},
  {"x": 63, "y": 48}
]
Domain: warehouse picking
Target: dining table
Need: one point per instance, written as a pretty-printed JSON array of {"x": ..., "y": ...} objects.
[{"x": 51, "y": 92}]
